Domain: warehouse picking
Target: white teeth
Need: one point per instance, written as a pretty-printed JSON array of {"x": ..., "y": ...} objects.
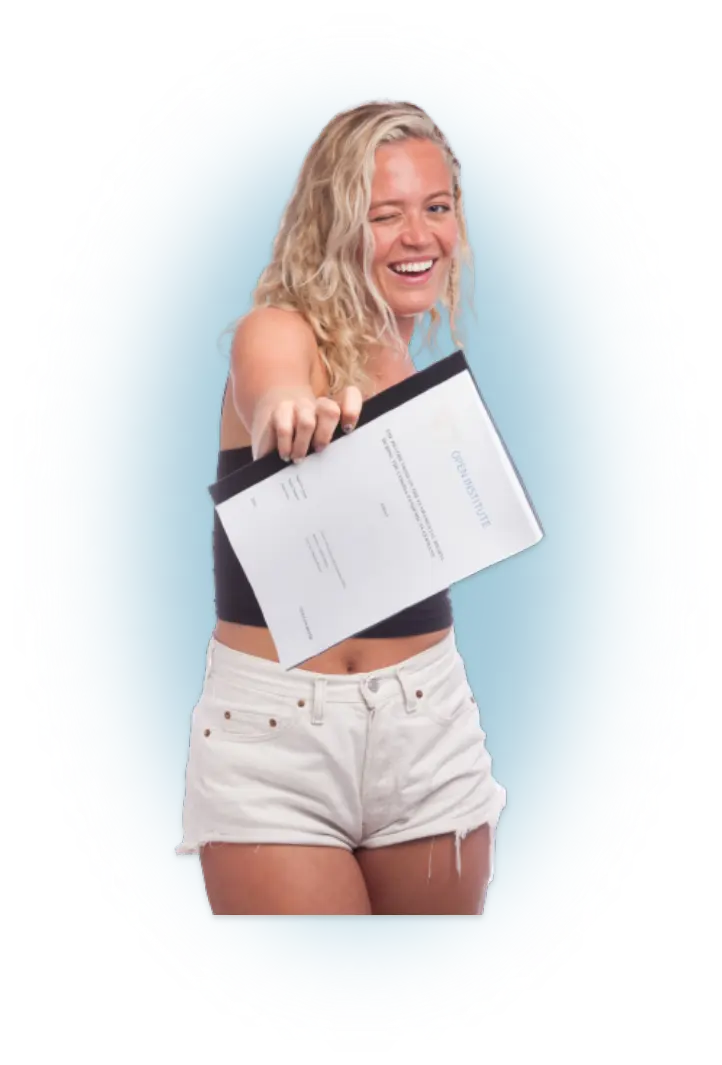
[{"x": 413, "y": 268}]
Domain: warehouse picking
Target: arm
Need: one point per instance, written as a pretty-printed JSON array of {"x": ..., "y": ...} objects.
[{"x": 271, "y": 365}]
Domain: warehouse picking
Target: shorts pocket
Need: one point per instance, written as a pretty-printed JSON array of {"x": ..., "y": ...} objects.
[
  {"x": 447, "y": 698},
  {"x": 252, "y": 717}
]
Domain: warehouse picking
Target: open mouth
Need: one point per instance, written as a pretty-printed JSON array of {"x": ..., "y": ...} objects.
[{"x": 413, "y": 272}]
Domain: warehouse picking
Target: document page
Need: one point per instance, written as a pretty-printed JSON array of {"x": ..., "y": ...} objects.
[{"x": 418, "y": 498}]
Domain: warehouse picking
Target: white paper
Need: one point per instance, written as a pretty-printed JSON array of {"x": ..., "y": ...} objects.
[{"x": 401, "y": 508}]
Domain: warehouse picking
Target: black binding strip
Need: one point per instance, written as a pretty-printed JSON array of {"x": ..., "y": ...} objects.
[{"x": 374, "y": 407}]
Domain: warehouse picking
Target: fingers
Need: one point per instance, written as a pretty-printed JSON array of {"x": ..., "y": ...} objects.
[
  {"x": 350, "y": 402},
  {"x": 296, "y": 424},
  {"x": 283, "y": 422},
  {"x": 328, "y": 414},
  {"x": 305, "y": 428}
]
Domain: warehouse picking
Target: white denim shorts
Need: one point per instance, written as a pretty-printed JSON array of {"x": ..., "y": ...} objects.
[{"x": 352, "y": 760}]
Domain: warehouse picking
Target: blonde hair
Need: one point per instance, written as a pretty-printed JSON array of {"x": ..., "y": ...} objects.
[{"x": 323, "y": 251}]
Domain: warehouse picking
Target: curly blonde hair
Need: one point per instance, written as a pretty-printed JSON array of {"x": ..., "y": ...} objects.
[{"x": 323, "y": 251}]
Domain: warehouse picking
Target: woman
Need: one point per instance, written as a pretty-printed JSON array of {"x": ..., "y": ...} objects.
[{"x": 359, "y": 782}]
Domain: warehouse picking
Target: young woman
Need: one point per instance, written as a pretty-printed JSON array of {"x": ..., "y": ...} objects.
[{"x": 359, "y": 782}]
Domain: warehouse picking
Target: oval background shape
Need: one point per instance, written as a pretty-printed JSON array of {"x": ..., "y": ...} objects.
[{"x": 569, "y": 646}]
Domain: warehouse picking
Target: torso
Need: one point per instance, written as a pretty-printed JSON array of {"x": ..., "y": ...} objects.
[{"x": 350, "y": 656}]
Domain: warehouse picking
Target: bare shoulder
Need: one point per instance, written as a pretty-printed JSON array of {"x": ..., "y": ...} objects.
[
  {"x": 276, "y": 325},
  {"x": 274, "y": 351}
]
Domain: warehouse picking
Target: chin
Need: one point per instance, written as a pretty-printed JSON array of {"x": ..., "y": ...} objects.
[{"x": 411, "y": 308}]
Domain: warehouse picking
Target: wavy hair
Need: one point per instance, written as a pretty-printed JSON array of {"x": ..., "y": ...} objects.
[{"x": 323, "y": 251}]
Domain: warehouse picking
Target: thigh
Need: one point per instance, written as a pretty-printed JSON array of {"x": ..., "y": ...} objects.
[
  {"x": 421, "y": 876},
  {"x": 270, "y": 878}
]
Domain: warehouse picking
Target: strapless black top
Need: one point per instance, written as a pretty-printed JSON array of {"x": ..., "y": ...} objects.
[{"x": 236, "y": 601}]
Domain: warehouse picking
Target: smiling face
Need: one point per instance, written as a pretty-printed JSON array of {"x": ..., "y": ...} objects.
[{"x": 414, "y": 225}]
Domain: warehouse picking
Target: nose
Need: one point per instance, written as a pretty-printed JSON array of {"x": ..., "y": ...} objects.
[{"x": 416, "y": 230}]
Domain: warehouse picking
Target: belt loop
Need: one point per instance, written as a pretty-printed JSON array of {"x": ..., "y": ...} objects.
[
  {"x": 319, "y": 700},
  {"x": 208, "y": 682},
  {"x": 410, "y": 702},
  {"x": 209, "y": 658}
]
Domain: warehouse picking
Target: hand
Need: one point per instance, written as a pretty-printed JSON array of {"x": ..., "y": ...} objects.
[{"x": 299, "y": 419}]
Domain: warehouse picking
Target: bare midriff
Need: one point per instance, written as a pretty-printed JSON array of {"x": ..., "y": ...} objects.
[
  {"x": 356, "y": 655},
  {"x": 351, "y": 656}
]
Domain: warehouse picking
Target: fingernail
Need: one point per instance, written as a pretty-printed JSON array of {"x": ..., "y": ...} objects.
[{"x": 347, "y": 428}]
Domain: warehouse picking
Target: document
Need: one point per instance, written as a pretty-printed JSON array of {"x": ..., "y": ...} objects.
[{"x": 421, "y": 494}]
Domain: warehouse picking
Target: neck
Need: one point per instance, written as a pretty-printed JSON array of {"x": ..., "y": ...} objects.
[
  {"x": 379, "y": 354},
  {"x": 406, "y": 328}
]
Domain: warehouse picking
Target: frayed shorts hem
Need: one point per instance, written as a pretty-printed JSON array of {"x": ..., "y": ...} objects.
[
  {"x": 460, "y": 828},
  {"x": 264, "y": 836},
  {"x": 469, "y": 824}
]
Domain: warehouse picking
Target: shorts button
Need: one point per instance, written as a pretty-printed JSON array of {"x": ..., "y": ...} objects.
[
  {"x": 227, "y": 715},
  {"x": 206, "y": 732},
  {"x": 301, "y": 702},
  {"x": 419, "y": 694},
  {"x": 374, "y": 684}
]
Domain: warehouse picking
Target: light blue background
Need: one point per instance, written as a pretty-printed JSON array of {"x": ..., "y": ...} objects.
[{"x": 567, "y": 645}]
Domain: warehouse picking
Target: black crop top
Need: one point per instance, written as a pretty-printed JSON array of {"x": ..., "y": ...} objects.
[{"x": 236, "y": 601}]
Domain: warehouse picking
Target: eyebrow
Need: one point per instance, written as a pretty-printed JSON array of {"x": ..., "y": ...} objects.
[{"x": 399, "y": 203}]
